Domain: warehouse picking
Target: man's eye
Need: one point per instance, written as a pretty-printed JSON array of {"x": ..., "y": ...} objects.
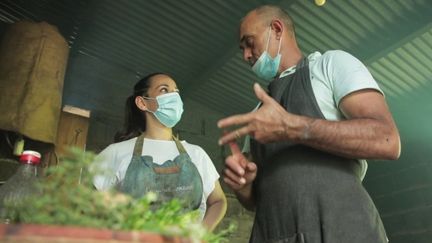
[
  {"x": 164, "y": 90},
  {"x": 249, "y": 43}
]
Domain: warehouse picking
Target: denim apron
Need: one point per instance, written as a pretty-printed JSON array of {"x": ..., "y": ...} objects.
[
  {"x": 178, "y": 178},
  {"x": 304, "y": 195}
]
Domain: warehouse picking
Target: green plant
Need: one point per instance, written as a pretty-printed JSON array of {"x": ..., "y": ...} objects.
[{"x": 69, "y": 198}]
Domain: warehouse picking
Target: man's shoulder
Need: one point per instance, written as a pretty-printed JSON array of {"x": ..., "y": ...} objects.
[
  {"x": 328, "y": 55},
  {"x": 332, "y": 59}
]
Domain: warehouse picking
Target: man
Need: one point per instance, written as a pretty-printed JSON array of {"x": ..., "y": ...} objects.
[{"x": 323, "y": 116}]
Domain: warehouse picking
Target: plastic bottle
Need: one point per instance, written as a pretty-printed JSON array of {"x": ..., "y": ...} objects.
[{"x": 19, "y": 186}]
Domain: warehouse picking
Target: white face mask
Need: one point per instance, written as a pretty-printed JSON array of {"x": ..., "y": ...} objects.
[{"x": 266, "y": 67}]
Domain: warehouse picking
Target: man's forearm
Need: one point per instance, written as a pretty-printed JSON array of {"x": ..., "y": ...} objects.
[{"x": 356, "y": 138}]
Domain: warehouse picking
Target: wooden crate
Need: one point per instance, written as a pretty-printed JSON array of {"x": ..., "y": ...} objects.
[{"x": 72, "y": 129}]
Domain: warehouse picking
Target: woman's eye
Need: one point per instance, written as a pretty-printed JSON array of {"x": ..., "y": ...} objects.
[{"x": 164, "y": 90}]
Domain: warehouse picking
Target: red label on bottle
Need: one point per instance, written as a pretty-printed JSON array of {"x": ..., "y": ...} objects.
[{"x": 29, "y": 158}]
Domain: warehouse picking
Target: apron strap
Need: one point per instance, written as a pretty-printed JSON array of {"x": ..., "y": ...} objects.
[
  {"x": 138, "y": 145},
  {"x": 180, "y": 147},
  {"x": 277, "y": 87}
]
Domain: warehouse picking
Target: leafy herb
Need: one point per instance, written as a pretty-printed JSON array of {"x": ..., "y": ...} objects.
[{"x": 69, "y": 198}]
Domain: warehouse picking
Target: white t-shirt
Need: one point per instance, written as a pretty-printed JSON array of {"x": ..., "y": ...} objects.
[
  {"x": 117, "y": 157},
  {"x": 334, "y": 75}
]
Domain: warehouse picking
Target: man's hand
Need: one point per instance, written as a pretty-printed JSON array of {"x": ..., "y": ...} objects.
[
  {"x": 270, "y": 123},
  {"x": 239, "y": 172}
]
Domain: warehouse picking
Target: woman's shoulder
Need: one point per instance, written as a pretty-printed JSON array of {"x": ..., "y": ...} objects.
[
  {"x": 125, "y": 143},
  {"x": 191, "y": 146},
  {"x": 194, "y": 150},
  {"x": 120, "y": 147}
]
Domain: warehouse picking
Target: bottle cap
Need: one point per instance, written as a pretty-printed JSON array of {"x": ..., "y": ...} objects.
[{"x": 30, "y": 157}]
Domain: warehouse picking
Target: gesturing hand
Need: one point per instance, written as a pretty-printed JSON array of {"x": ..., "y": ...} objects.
[
  {"x": 239, "y": 172},
  {"x": 269, "y": 123}
]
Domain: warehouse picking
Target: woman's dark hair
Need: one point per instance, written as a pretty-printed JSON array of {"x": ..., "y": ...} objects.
[{"x": 135, "y": 120}]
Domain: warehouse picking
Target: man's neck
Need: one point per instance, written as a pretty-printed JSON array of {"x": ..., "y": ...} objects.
[
  {"x": 289, "y": 63},
  {"x": 291, "y": 56}
]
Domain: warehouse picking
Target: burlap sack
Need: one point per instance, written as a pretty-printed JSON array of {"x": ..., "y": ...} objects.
[{"x": 33, "y": 58}]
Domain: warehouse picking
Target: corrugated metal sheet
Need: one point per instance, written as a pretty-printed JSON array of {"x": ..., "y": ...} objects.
[
  {"x": 115, "y": 42},
  {"x": 364, "y": 28},
  {"x": 196, "y": 41},
  {"x": 407, "y": 68}
]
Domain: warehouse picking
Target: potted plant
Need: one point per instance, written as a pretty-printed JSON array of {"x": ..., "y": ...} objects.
[{"x": 69, "y": 209}]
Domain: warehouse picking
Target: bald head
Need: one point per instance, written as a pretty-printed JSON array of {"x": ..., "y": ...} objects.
[
  {"x": 269, "y": 29},
  {"x": 265, "y": 14}
]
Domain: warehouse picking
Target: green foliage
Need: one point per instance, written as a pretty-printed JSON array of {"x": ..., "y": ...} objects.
[{"x": 69, "y": 198}]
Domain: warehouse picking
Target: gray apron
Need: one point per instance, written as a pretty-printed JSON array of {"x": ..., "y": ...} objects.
[
  {"x": 178, "y": 178},
  {"x": 304, "y": 195}
]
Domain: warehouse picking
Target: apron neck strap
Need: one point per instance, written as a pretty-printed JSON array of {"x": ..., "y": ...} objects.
[
  {"x": 180, "y": 147},
  {"x": 139, "y": 145},
  {"x": 140, "y": 141}
]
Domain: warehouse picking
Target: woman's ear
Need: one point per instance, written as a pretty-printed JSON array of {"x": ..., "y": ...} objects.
[{"x": 140, "y": 103}]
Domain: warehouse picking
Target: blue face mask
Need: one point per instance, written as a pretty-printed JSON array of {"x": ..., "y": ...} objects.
[
  {"x": 170, "y": 108},
  {"x": 266, "y": 67}
]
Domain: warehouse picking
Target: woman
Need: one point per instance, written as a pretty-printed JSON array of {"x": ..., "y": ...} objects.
[{"x": 147, "y": 157}]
